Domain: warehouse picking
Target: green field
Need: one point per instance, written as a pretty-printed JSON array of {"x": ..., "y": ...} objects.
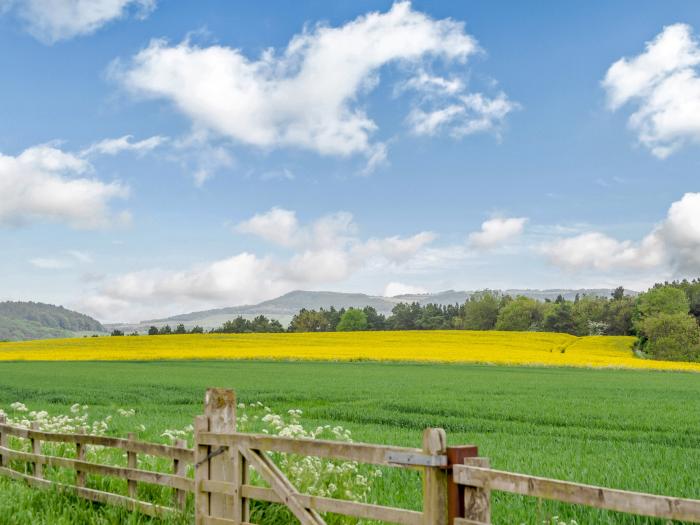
[{"x": 635, "y": 430}]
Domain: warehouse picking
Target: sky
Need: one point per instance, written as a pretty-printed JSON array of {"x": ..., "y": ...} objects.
[{"x": 159, "y": 157}]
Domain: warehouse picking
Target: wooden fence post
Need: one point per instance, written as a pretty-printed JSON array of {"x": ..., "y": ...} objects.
[
  {"x": 201, "y": 471},
  {"x": 80, "y": 456},
  {"x": 435, "y": 479},
  {"x": 180, "y": 469},
  {"x": 132, "y": 462},
  {"x": 455, "y": 491},
  {"x": 37, "y": 467},
  {"x": 220, "y": 409},
  {"x": 477, "y": 500},
  {"x": 4, "y": 460}
]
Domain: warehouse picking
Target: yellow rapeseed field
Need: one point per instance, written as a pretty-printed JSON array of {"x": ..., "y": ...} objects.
[{"x": 521, "y": 348}]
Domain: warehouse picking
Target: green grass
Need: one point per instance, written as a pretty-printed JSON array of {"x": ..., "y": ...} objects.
[{"x": 634, "y": 430}]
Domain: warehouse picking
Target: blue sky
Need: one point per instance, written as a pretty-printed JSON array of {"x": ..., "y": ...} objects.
[{"x": 158, "y": 157}]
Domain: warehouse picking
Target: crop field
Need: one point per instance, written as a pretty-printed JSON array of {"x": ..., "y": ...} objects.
[
  {"x": 522, "y": 348},
  {"x": 629, "y": 429}
]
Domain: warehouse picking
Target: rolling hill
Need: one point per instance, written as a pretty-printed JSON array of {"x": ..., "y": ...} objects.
[
  {"x": 28, "y": 320},
  {"x": 284, "y": 307}
]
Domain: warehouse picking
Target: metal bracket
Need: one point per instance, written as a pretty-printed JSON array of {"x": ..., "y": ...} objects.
[
  {"x": 212, "y": 454},
  {"x": 422, "y": 460}
]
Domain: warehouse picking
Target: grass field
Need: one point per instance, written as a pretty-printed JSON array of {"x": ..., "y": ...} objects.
[
  {"x": 635, "y": 430},
  {"x": 529, "y": 348}
]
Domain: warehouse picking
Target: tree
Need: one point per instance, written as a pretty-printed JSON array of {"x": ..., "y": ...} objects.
[
  {"x": 197, "y": 330},
  {"x": 431, "y": 317},
  {"x": 165, "y": 330},
  {"x": 674, "y": 337},
  {"x": 404, "y": 316},
  {"x": 352, "y": 320},
  {"x": 239, "y": 325},
  {"x": 480, "y": 312},
  {"x": 309, "y": 321},
  {"x": 180, "y": 329},
  {"x": 153, "y": 330},
  {"x": 116, "y": 333},
  {"x": 618, "y": 316},
  {"x": 660, "y": 300},
  {"x": 520, "y": 314},
  {"x": 375, "y": 321},
  {"x": 618, "y": 293},
  {"x": 560, "y": 319}
]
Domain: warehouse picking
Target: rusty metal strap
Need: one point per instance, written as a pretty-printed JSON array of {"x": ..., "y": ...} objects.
[
  {"x": 410, "y": 458},
  {"x": 211, "y": 454}
]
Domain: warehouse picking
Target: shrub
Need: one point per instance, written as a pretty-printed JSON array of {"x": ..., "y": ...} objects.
[{"x": 674, "y": 337}]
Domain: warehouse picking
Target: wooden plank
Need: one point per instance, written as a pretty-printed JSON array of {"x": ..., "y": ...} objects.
[
  {"x": 465, "y": 521},
  {"x": 220, "y": 408},
  {"x": 180, "y": 469},
  {"x": 321, "y": 504},
  {"x": 477, "y": 500},
  {"x": 435, "y": 493},
  {"x": 35, "y": 444},
  {"x": 142, "y": 447},
  {"x": 201, "y": 471},
  {"x": 241, "y": 507},
  {"x": 91, "y": 494},
  {"x": 598, "y": 497},
  {"x": 4, "y": 462},
  {"x": 132, "y": 463},
  {"x": 208, "y": 520},
  {"x": 146, "y": 476},
  {"x": 80, "y": 456},
  {"x": 360, "y": 452},
  {"x": 282, "y": 486}
]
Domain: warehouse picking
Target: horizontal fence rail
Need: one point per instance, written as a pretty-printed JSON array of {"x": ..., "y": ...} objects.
[
  {"x": 36, "y": 461},
  {"x": 480, "y": 479}
]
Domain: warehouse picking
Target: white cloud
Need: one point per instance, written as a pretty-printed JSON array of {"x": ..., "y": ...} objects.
[
  {"x": 497, "y": 231},
  {"x": 69, "y": 259},
  {"x": 54, "y": 20},
  {"x": 44, "y": 183},
  {"x": 463, "y": 115},
  {"x": 324, "y": 252},
  {"x": 673, "y": 244},
  {"x": 394, "y": 288},
  {"x": 289, "y": 98},
  {"x": 664, "y": 84},
  {"x": 125, "y": 143}
]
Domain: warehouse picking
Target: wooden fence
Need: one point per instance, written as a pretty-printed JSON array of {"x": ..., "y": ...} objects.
[{"x": 457, "y": 484}]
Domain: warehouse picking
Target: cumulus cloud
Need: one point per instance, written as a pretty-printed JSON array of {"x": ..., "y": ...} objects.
[
  {"x": 325, "y": 251},
  {"x": 125, "y": 143},
  {"x": 44, "y": 183},
  {"x": 394, "y": 288},
  {"x": 54, "y": 20},
  {"x": 308, "y": 94},
  {"x": 674, "y": 244},
  {"x": 497, "y": 231},
  {"x": 663, "y": 84}
]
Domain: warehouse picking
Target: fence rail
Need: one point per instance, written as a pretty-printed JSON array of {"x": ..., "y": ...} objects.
[{"x": 457, "y": 483}]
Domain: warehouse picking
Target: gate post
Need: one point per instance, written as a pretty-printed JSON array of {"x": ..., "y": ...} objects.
[
  {"x": 435, "y": 479},
  {"x": 220, "y": 417}
]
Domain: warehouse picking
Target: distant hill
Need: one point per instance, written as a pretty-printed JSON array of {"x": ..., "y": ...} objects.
[
  {"x": 28, "y": 320},
  {"x": 284, "y": 307}
]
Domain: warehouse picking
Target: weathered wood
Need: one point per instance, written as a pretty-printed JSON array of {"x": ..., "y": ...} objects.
[
  {"x": 477, "y": 500},
  {"x": 132, "y": 463},
  {"x": 465, "y": 521},
  {"x": 598, "y": 497},
  {"x": 4, "y": 462},
  {"x": 241, "y": 507},
  {"x": 180, "y": 469},
  {"x": 201, "y": 471},
  {"x": 282, "y": 486},
  {"x": 321, "y": 504},
  {"x": 35, "y": 443},
  {"x": 141, "y": 447},
  {"x": 80, "y": 456},
  {"x": 146, "y": 476},
  {"x": 220, "y": 408},
  {"x": 222, "y": 521},
  {"x": 149, "y": 509},
  {"x": 360, "y": 452},
  {"x": 435, "y": 479},
  {"x": 455, "y": 491}
]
